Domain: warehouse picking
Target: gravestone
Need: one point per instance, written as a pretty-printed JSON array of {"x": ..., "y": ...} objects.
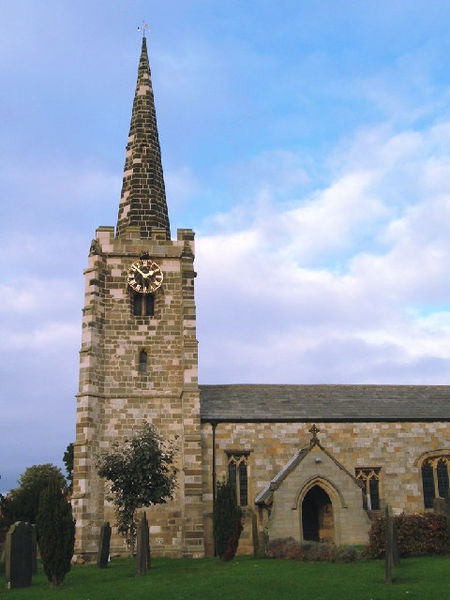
[
  {"x": 19, "y": 555},
  {"x": 147, "y": 541},
  {"x": 389, "y": 536},
  {"x": 395, "y": 551},
  {"x": 142, "y": 546},
  {"x": 34, "y": 564},
  {"x": 441, "y": 506},
  {"x": 103, "y": 547}
]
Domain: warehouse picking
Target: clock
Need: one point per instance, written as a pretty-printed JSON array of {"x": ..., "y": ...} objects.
[{"x": 144, "y": 276}]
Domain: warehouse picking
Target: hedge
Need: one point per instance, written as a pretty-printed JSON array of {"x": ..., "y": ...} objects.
[{"x": 418, "y": 535}]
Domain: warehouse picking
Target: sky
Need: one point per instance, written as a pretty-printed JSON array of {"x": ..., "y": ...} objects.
[{"x": 306, "y": 143}]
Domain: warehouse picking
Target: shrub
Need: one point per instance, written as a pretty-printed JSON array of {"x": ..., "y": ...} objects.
[
  {"x": 142, "y": 473},
  {"x": 310, "y": 551},
  {"x": 227, "y": 521},
  {"x": 56, "y": 529},
  {"x": 418, "y": 534},
  {"x": 346, "y": 554},
  {"x": 22, "y": 503}
]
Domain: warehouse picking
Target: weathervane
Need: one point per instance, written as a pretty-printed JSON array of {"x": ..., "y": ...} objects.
[{"x": 144, "y": 28}]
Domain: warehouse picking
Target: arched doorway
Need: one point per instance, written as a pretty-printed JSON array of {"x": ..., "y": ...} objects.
[{"x": 317, "y": 516}]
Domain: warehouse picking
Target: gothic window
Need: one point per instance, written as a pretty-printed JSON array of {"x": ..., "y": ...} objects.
[
  {"x": 143, "y": 305},
  {"x": 370, "y": 476},
  {"x": 435, "y": 478},
  {"x": 238, "y": 475},
  {"x": 142, "y": 361}
]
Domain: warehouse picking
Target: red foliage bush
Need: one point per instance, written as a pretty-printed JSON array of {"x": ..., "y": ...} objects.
[
  {"x": 232, "y": 542},
  {"x": 418, "y": 534}
]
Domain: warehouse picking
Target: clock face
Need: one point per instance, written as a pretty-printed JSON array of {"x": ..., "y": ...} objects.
[{"x": 144, "y": 276}]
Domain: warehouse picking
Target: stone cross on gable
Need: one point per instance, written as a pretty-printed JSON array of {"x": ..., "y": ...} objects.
[{"x": 314, "y": 431}]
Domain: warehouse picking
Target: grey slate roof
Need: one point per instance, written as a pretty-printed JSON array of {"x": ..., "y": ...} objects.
[{"x": 321, "y": 403}]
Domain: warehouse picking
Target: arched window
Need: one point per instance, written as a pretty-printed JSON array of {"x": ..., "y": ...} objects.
[
  {"x": 142, "y": 361},
  {"x": 238, "y": 475},
  {"x": 435, "y": 478},
  {"x": 370, "y": 476}
]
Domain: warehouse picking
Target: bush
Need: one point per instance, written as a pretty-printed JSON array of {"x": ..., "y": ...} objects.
[
  {"x": 56, "y": 529},
  {"x": 310, "y": 551},
  {"x": 418, "y": 535},
  {"x": 142, "y": 473},
  {"x": 22, "y": 503},
  {"x": 227, "y": 521}
]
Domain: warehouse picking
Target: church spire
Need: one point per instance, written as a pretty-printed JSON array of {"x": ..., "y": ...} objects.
[{"x": 143, "y": 200}]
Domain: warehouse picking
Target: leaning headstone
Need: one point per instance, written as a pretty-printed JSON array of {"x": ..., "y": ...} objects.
[
  {"x": 103, "y": 547},
  {"x": 441, "y": 506},
  {"x": 142, "y": 547},
  {"x": 395, "y": 550},
  {"x": 147, "y": 541},
  {"x": 19, "y": 555},
  {"x": 34, "y": 564},
  {"x": 389, "y": 535}
]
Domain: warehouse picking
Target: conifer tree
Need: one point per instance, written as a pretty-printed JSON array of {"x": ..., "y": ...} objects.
[
  {"x": 56, "y": 531},
  {"x": 227, "y": 521}
]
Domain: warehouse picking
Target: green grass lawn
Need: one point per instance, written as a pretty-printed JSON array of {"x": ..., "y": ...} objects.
[{"x": 245, "y": 578}]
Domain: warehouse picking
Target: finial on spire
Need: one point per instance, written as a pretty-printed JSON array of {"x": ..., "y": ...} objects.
[{"x": 144, "y": 28}]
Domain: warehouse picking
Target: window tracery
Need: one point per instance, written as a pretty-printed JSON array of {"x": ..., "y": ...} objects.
[
  {"x": 238, "y": 475},
  {"x": 370, "y": 476},
  {"x": 435, "y": 478}
]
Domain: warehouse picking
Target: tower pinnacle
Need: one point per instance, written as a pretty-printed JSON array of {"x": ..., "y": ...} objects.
[{"x": 143, "y": 199}]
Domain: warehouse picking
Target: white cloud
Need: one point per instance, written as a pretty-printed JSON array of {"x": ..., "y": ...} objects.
[{"x": 331, "y": 288}]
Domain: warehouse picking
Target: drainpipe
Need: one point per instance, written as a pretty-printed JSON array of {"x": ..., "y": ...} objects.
[{"x": 213, "y": 426}]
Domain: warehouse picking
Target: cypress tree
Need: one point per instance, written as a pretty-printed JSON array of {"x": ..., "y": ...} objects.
[
  {"x": 56, "y": 531},
  {"x": 227, "y": 521}
]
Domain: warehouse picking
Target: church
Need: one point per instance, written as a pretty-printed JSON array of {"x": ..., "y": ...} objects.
[{"x": 315, "y": 462}]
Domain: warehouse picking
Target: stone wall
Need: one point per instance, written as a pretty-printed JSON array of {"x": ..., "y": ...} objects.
[
  {"x": 114, "y": 396},
  {"x": 395, "y": 447}
]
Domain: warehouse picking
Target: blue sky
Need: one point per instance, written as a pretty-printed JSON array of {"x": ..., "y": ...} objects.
[{"x": 308, "y": 145}]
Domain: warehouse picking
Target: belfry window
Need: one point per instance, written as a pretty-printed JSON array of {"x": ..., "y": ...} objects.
[
  {"x": 142, "y": 305},
  {"x": 370, "y": 476},
  {"x": 142, "y": 367},
  {"x": 435, "y": 478},
  {"x": 238, "y": 475}
]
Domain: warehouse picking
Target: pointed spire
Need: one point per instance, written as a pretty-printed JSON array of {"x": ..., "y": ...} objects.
[{"x": 143, "y": 200}]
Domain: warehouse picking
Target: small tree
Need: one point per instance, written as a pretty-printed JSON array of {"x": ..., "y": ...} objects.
[
  {"x": 142, "y": 473},
  {"x": 56, "y": 530},
  {"x": 227, "y": 521},
  {"x": 68, "y": 463},
  {"x": 22, "y": 503}
]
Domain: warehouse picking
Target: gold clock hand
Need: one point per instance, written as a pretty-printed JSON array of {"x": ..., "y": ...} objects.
[{"x": 139, "y": 271}]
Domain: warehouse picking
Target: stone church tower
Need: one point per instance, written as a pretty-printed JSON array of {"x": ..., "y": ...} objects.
[{"x": 138, "y": 359}]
